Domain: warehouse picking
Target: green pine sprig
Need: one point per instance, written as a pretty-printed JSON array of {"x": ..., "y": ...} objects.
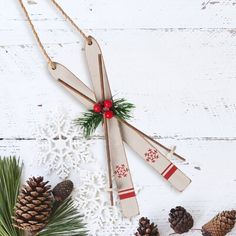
[
  {"x": 123, "y": 109},
  {"x": 91, "y": 120},
  {"x": 10, "y": 175},
  {"x": 65, "y": 220}
]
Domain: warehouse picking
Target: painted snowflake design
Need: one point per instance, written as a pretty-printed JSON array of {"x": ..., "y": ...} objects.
[
  {"x": 121, "y": 171},
  {"x": 151, "y": 155},
  {"x": 62, "y": 147}
]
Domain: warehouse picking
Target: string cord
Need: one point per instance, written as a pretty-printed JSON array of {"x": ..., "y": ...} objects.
[
  {"x": 36, "y": 35},
  {"x": 67, "y": 17},
  {"x": 48, "y": 58}
]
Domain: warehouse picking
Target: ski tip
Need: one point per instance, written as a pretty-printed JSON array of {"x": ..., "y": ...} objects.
[
  {"x": 129, "y": 207},
  {"x": 179, "y": 180}
]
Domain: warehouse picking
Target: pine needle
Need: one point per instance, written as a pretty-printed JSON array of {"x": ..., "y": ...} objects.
[
  {"x": 123, "y": 108},
  {"x": 65, "y": 220},
  {"x": 89, "y": 122},
  {"x": 10, "y": 174}
]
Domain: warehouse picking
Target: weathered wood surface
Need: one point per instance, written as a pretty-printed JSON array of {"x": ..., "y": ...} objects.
[{"x": 174, "y": 59}]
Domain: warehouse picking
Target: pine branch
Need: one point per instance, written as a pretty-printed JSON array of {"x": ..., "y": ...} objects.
[
  {"x": 89, "y": 122},
  {"x": 122, "y": 108},
  {"x": 65, "y": 220},
  {"x": 10, "y": 174}
]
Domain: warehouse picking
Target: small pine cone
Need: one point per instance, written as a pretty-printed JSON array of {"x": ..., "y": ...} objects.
[
  {"x": 180, "y": 220},
  {"x": 63, "y": 190},
  {"x": 33, "y": 206},
  {"x": 220, "y": 225},
  {"x": 146, "y": 229}
]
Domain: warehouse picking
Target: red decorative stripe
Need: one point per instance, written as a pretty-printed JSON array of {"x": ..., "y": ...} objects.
[
  {"x": 170, "y": 172},
  {"x": 166, "y": 169},
  {"x": 127, "y": 195},
  {"x": 125, "y": 190}
]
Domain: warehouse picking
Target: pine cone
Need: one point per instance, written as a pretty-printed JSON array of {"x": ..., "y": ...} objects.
[
  {"x": 180, "y": 220},
  {"x": 63, "y": 190},
  {"x": 146, "y": 229},
  {"x": 34, "y": 205},
  {"x": 220, "y": 225}
]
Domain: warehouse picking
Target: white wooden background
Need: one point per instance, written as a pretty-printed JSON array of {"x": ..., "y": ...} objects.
[{"x": 176, "y": 60}]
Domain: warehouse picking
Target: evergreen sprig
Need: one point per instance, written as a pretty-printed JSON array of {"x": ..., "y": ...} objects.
[
  {"x": 91, "y": 120},
  {"x": 10, "y": 175},
  {"x": 65, "y": 220},
  {"x": 123, "y": 109}
]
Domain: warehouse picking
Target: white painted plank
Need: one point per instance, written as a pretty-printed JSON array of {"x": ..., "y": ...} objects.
[
  {"x": 211, "y": 191},
  {"x": 105, "y": 14},
  {"x": 184, "y": 82}
]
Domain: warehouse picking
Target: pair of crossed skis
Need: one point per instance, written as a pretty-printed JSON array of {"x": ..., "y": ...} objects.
[{"x": 118, "y": 131}]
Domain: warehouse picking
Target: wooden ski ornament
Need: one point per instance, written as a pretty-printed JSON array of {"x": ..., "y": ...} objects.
[{"x": 117, "y": 131}]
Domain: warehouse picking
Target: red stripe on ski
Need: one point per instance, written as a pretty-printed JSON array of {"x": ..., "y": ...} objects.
[
  {"x": 170, "y": 172},
  {"x": 166, "y": 169},
  {"x": 127, "y": 195},
  {"x": 125, "y": 190}
]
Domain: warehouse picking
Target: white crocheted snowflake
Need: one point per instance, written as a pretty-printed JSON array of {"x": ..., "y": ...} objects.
[
  {"x": 62, "y": 147},
  {"x": 93, "y": 202}
]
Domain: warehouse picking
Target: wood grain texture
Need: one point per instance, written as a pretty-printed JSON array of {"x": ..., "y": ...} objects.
[{"x": 174, "y": 59}]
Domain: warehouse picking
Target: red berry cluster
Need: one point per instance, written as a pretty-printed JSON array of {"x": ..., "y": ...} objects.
[{"x": 104, "y": 108}]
